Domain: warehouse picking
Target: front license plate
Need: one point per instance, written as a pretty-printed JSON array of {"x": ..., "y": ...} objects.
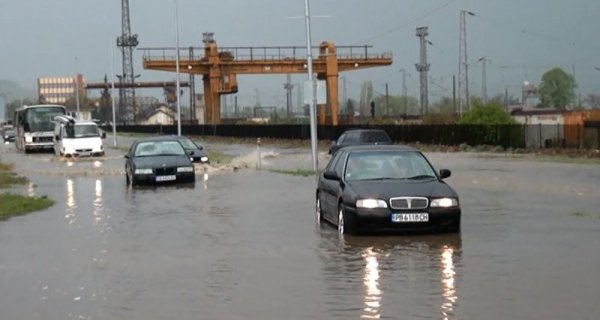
[
  {"x": 410, "y": 217},
  {"x": 166, "y": 178}
]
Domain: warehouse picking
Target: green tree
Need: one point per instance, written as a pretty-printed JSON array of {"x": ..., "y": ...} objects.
[
  {"x": 486, "y": 114},
  {"x": 489, "y": 124},
  {"x": 557, "y": 88}
]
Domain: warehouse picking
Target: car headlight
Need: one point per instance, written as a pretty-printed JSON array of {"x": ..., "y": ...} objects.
[
  {"x": 444, "y": 203},
  {"x": 203, "y": 159},
  {"x": 28, "y": 139},
  {"x": 143, "y": 171},
  {"x": 370, "y": 203},
  {"x": 185, "y": 169}
]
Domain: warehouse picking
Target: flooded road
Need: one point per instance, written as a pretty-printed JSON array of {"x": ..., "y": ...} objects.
[{"x": 244, "y": 245}]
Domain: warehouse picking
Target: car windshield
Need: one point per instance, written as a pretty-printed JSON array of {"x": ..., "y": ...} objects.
[
  {"x": 159, "y": 148},
  {"x": 188, "y": 144},
  {"x": 384, "y": 165},
  {"x": 374, "y": 136},
  {"x": 82, "y": 131}
]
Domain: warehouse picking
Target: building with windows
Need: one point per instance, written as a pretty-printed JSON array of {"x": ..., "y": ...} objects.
[{"x": 58, "y": 90}]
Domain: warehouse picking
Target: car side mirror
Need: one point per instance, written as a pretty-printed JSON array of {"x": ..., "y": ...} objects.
[
  {"x": 126, "y": 156},
  {"x": 57, "y": 137},
  {"x": 103, "y": 135},
  {"x": 445, "y": 173},
  {"x": 331, "y": 175}
]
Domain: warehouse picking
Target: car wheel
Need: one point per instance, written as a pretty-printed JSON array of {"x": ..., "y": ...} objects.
[
  {"x": 318, "y": 211},
  {"x": 345, "y": 224}
]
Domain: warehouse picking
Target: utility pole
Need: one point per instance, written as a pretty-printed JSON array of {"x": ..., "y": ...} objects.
[
  {"x": 288, "y": 86},
  {"x": 454, "y": 94},
  {"x": 423, "y": 67},
  {"x": 192, "y": 90},
  {"x": 387, "y": 101},
  {"x": 484, "y": 61},
  {"x": 463, "y": 73},
  {"x": 344, "y": 94},
  {"x": 404, "y": 90}
]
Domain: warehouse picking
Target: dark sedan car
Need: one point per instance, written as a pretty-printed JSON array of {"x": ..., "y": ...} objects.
[
  {"x": 360, "y": 137},
  {"x": 158, "y": 160},
  {"x": 385, "y": 188},
  {"x": 195, "y": 151},
  {"x": 9, "y": 135}
]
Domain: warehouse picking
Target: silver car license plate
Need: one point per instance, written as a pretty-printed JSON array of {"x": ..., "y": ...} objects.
[
  {"x": 410, "y": 217},
  {"x": 166, "y": 178}
]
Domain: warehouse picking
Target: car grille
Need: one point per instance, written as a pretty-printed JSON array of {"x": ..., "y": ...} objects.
[
  {"x": 83, "y": 150},
  {"x": 164, "y": 171},
  {"x": 409, "y": 203},
  {"x": 42, "y": 139}
]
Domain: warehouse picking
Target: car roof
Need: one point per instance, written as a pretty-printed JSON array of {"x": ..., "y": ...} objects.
[
  {"x": 158, "y": 138},
  {"x": 380, "y": 147},
  {"x": 365, "y": 130}
]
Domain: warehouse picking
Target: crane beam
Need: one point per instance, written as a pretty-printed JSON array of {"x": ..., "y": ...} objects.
[{"x": 220, "y": 68}]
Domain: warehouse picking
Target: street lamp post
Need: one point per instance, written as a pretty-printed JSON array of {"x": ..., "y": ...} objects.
[
  {"x": 312, "y": 104},
  {"x": 177, "y": 70}
]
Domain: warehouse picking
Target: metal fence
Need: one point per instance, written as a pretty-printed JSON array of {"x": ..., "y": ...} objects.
[{"x": 507, "y": 136}]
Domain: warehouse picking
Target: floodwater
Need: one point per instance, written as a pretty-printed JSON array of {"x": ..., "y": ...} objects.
[{"x": 243, "y": 244}]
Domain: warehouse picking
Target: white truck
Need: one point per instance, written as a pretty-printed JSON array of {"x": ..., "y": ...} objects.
[{"x": 75, "y": 138}]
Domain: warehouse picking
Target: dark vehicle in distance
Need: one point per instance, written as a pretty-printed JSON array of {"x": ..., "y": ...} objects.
[
  {"x": 385, "y": 188},
  {"x": 8, "y": 135},
  {"x": 360, "y": 137},
  {"x": 158, "y": 160},
  {"x": 195, "y": 151}
]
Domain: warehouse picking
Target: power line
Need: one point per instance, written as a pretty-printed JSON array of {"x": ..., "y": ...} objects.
[{"x": 408, "y": 24}]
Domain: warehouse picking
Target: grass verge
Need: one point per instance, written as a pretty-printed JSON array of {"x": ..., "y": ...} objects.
[
  {"x": 297, "y": 172},
  {"x": 8, "y": 178},
  {"x": 219, "y": 158},
  {"x": 16, "y": 205}
]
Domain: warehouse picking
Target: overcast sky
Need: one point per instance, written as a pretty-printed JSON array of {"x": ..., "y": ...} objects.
[{"x": 522, "y": 38}]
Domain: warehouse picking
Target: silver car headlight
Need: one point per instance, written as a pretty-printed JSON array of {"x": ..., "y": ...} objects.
[
  {"x": 203, "y": 159},
  {"x": 185, "y": 169},
  {"x": 143, "y": 171},
  {"x": 444, "y": 203},
  {"x": 371, "y": 203}
]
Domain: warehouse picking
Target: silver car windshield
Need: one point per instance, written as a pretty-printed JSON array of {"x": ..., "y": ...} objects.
[{"x": 387, "y": 165}]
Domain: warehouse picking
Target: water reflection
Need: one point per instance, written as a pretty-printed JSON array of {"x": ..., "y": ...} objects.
[
  {"x": 371, "y": 281},
  {"x": 411, "y": 275},
  {"x": 71, "y": 206},
  {"x": 31, "y": 189},
  {"x": 448, "y": 280},
  {"x": 98, "y": 209}
]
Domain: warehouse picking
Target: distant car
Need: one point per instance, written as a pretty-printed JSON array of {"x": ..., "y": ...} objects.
[
  {"x": 385, "y": 188},
  {"x": 8, "y": 135},
  {"x": 195, "y": 151},
  {"x": 158, "y": 160},
  {"x": 360, "y": 137}
]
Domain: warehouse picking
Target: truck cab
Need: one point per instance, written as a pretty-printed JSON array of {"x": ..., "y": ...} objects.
[{"x": 77, "y": 138}]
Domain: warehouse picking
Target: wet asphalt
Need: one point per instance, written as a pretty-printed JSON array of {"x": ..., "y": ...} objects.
[{"x": 242, "y": 243}]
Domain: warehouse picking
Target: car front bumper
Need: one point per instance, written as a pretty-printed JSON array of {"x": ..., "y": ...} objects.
[{"x": 380, "y": 220}]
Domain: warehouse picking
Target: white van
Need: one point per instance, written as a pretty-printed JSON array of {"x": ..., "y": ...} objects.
[{"x": 74, "y": 138}]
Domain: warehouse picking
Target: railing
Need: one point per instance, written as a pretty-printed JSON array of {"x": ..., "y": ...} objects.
[{"x": 285, "y": 53}]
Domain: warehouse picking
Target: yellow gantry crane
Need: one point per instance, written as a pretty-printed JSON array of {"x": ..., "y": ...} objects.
[{"x": 219, "y": 68}]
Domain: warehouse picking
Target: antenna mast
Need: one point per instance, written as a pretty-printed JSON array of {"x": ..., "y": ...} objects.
[{"x": 127, "y": 42}]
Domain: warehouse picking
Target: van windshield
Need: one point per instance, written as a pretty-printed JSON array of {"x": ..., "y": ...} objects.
[{"x": 82, "y": 131}]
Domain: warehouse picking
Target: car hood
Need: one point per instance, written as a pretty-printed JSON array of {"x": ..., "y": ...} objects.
[
  {"x": 167, "y": 161},
  {"x": 385, "y": 189},
  {"x": 83, "y": 143}
]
